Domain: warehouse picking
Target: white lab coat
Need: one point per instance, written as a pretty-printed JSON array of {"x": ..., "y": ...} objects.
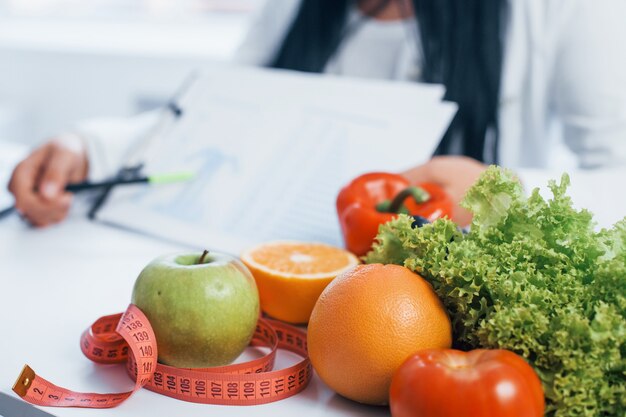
[{"x": 564, "y": 65}]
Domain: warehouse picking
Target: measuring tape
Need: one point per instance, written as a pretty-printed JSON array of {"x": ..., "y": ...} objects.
[{"x": 128, "y": 337}]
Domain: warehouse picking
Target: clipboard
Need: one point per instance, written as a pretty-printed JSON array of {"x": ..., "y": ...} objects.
[{"x": 271, "y": 149}]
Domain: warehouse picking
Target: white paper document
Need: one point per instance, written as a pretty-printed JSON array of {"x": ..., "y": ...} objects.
[{"x": 270, "y": 150}]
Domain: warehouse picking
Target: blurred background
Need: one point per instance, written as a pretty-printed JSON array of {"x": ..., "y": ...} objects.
[{"x": 67, "y": 60}]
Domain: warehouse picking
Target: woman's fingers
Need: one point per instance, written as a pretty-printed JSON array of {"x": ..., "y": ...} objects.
[
  {"x": 55, "y": 173},
  {"x": 38, "y": 183}
]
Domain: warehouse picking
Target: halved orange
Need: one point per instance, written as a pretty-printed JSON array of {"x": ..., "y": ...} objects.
[{"x": 292, "y": 275}]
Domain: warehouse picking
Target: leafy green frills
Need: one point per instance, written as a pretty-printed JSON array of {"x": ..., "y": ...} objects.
[{"x": 531, "y": 276}]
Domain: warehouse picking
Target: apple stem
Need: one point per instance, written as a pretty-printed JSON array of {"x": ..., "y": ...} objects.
[{"x": 204, "y": 254}]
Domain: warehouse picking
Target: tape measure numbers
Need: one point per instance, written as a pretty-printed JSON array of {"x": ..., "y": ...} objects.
[{"x": 128, "y": 337}]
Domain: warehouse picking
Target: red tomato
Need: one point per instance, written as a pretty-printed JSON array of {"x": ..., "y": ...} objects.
[{"x": 480, "y": 383}]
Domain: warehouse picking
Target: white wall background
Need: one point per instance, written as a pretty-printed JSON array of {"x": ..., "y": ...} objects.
[{"x": 55, "y": 71}]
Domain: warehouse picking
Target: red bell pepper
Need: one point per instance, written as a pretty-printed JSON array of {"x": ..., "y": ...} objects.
[{"x": 375, "y": 198}]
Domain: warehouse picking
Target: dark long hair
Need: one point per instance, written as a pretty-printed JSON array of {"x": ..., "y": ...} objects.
[{"x": 461, "y": 42}]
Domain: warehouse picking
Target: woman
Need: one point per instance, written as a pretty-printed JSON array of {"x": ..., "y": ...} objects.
[{"x": 513, "y": 67}]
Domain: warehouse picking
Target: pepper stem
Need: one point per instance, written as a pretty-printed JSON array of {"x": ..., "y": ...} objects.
[
  {"x": 204, "y": 254},
  {"x": 397, "y": 204}
]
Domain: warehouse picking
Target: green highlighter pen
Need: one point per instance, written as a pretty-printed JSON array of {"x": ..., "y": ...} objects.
[{"x": 152, "y": 179}]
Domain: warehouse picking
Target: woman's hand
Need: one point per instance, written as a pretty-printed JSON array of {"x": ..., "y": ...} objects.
[
  {"x": 455, "y": 174},
  {"x": 38, "y": 182}
]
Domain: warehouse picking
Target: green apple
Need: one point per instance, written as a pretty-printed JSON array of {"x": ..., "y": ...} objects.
[{"x": 203, "y": 308}]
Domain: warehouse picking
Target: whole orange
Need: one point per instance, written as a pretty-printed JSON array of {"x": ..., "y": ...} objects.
[{"x": 367, "y": 322}]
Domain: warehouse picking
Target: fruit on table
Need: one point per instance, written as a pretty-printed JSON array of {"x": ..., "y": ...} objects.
[
  {"x": 443, "y": 383},
  {"x": 292, "y": 275},
  {"x": 203, "y": 307},
  {"x": 367, "y": 322}
]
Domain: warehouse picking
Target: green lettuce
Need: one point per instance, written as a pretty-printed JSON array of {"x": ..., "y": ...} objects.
[{"x": 532, "y": 276}]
